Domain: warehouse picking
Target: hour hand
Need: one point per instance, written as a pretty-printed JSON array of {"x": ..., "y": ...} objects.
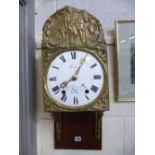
[{"x": 64, "y": 84}]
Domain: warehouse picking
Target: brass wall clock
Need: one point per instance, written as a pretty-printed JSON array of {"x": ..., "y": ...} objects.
[{"x": 74, "y": 63}]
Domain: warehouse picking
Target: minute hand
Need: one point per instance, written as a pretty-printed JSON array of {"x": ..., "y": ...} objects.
[
  {"x": 74, "y": 76},
  {"x": 82, "y": 61}
]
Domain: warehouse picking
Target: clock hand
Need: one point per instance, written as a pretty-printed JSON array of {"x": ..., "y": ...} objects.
[
  {"x": 65, "y": 83},
  {"x": 82, "y": 61},
  {"x": 74, "y": 76}
]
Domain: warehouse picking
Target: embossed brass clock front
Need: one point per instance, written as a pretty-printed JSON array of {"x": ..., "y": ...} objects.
[{"x": 74, "y": 61}]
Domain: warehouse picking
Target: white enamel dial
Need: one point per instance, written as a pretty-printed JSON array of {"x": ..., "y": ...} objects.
[{"x": 75, "y": 78}]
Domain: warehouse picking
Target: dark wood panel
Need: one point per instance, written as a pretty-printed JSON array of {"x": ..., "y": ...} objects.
[{"x": 76, "y": 126}]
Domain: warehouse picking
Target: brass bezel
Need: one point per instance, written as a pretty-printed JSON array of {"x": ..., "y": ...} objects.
[{"x": 116, "y": 62}]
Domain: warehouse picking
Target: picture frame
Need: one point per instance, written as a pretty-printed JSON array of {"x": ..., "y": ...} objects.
[{"x": 124, "y": 60}]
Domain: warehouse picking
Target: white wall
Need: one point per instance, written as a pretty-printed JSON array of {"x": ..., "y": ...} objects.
[{"x": 118, "y": 123}]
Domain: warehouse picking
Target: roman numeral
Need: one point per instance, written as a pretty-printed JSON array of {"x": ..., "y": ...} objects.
[
  {"x": 56, "y": 89},
  {"x": 75, "y": 100},
  {"x": 94, "y": 88},
  {"x": 55, "y": 67},
  {"x": 73, "y": 54},
  {"x": 63, "y": 58},
  {"x": 64, "y": 97},
  {"x": 87, "y": 97},
  {"x": 52, "y": 79},
  {"x": 97, "y": 77},
  {"x": 94, "y": 65}
]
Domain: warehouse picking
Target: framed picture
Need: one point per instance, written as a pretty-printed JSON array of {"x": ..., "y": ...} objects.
[{"x": 125, "y": 60}]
